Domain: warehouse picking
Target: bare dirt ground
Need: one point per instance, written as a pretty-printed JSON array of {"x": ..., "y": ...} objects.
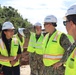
[{"x": 25, "y": 70}]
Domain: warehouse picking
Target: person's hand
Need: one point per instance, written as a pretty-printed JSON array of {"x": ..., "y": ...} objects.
[
  {"x": 57, "y": 65},
  {"x": 11, "y": 58},
  {"x": 13, "y": 62}
]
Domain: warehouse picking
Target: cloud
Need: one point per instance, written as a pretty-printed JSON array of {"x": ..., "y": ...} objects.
[
  {"x": 35, "y": 6},
  {"x": 36, "y": 10}
]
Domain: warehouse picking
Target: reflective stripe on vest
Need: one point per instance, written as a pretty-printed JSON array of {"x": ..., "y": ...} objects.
[
  {"x": 52, "y": 57},
  {"x": 1, "y": 44},
  {"x": 35, "y": 46},
  {"x": 38, "y": 43},
  {"x": 56, "y": 36}
]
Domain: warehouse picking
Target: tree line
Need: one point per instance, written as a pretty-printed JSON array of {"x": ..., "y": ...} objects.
[{"x": 12, "y": 15}]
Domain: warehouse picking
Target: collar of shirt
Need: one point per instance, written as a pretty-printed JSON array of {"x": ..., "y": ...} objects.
[
  {"x": 37, "y": 36},
  {"x": 52, "y": 33}
]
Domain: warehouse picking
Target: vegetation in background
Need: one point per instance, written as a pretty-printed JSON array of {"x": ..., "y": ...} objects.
[{"x": 11, "y": 14}]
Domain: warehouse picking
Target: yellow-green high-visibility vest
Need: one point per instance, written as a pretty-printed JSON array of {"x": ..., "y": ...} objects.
[
  {"x": 21, "y": 43},
  {"x": 71, "y": 39},
  {"x": 75, "y": 61},
  {"x": 69, "y": 70},
  {"x": 35, "y": 46},
  {"x": 14, "y": 50},
  {"x": 53, "y": 52}
]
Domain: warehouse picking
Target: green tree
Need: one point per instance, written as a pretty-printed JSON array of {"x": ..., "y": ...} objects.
[{"x": 11, "y": 14}]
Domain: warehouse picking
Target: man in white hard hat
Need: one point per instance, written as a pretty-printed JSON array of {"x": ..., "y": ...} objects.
[
  {"x": 55, "y": 45},
  {"x": 70, "y": 24},
  {"x": 10, "y": 50},
  {"x": 20, "y": 30},
  {"x": 35, "y": 50},
  {"x": 22, "y": 40},
  {"x": 21, "y": 37}
]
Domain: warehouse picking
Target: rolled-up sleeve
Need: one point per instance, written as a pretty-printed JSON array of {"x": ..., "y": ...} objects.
[{"x": 65, "y": 43}]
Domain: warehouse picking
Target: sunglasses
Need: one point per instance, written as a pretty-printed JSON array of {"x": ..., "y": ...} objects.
[{"x": 64, "y": 22}]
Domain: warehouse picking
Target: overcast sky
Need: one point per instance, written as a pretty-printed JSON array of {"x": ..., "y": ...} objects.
[{"x": 37, "y": 10}]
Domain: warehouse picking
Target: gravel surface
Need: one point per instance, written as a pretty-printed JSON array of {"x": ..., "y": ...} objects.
[{"x": 25, "y": 70}]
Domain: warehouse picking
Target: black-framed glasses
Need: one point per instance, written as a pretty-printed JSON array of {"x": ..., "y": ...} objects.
[{"x": 64, "y": 22}]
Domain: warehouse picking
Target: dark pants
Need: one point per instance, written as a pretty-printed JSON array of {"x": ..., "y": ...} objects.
[{"x": 11, "y": 70}]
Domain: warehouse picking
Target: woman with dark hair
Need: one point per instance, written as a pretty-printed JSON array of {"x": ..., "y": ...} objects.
[{"x": 10, "y": 50}]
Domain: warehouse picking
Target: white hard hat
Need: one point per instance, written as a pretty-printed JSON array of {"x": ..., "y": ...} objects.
[
  {"x": 37, "y": 24},
  {"x": 7, "y": 25},
  {"x": 71, "y": 10},
  {"x": 50, "y": 18},
  {"x": 20, "y": 30}
]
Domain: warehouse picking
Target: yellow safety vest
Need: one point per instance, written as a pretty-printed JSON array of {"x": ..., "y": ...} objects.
[
  {"x": 35, "y": 46},
  {"x": 53, "y": 52},
  {"x": 71, "y": 40},
  {"x": 21, "y": 43},
  {"x": 70, "y": 63},
  {"x": 75, "y": 61},
  {"x": 14, "y": 50}
]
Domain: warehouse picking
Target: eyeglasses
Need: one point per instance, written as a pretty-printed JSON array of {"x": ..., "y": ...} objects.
[
  {"x": 11, "y": 30},
  {"x": 46, "y": 24},
  {"x": 64, "y": 22}
]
